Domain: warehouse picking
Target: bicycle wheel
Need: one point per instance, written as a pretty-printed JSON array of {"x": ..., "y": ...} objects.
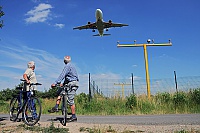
[
  {"x": 32, "y": 111},
  {"x": 64, "y": 111},
  {"x": 14, "y": 108}
]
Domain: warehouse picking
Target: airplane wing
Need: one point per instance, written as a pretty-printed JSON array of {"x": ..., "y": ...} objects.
[
  {"x": 87, "y": 26},
  {"x": 110, "y": 24}
]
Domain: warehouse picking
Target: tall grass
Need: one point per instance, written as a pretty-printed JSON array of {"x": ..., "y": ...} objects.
[{"x": 160, "y": 103}]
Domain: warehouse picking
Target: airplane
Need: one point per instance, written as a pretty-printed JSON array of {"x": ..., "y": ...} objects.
[{"x": 100, "y": 25}]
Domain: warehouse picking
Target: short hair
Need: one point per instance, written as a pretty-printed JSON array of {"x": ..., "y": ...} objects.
[
  {"x": 67, "y": 59},
  {"x": 31, "y": 64}
]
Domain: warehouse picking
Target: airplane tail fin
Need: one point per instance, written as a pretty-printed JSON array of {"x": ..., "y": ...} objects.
[{"x": 102, "y": 35}]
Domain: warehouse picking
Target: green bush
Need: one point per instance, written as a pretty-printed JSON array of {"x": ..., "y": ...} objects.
[
  {"x": 162, "y": 98},
  {"x": 131, "y": 101},
  {"x": 195, "y": 96},
  {"x": 146, "y": 107},
  {"x": 179, "y": 98},
  {"x": 6, "y": 94},
  {"x": 161, "y": 103}
]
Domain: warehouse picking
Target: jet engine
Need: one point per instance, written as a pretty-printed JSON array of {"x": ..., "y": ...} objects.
[{"x": 90, "y": 25}]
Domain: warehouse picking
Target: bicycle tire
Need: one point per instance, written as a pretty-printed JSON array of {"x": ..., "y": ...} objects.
[
  {"x": 64, "y": 111},
  {"x": 32, "y": 111},
  {"x": 14, "y": 108}
]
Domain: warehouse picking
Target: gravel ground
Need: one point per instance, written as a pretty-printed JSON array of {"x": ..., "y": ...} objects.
[{"x": 7, "y": 126}]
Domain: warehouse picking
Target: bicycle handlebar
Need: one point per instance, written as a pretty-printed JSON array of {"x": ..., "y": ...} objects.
[
  {"x": 23, "y": 80},
  {"x": 35, "y": 84},
  {"x": 31, "y": 83}
]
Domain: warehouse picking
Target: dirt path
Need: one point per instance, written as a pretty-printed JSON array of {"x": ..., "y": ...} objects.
[
  {"x": 8, "y": 126},
  {"x": 145, "y": 123}
]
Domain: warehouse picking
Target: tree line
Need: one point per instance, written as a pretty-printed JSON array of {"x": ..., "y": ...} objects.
[{"x": 7, "y": 94}]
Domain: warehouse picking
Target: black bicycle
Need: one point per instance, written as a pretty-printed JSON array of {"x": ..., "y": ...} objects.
[
  {"x": 30, "y": 107},
  {"x": 64, "y": 105}
]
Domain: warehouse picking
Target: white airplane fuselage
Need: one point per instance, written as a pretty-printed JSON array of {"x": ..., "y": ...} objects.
[
  {"x": 99, "y": 21},
  {"x": 100, "y": 25}
]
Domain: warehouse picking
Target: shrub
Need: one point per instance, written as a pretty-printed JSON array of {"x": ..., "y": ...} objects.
[
  {"x": 195, "y": 96},
  {"x": 179, "y": 98},
  {"x": 131, "y": 101},
  {"x": 162, "y": 98},
  {"x": 146, "y": 107}
]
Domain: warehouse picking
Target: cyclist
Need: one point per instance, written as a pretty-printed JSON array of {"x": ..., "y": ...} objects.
[
  {"x": 70, "y": 76},
  {"x": 30, "y": 77}
]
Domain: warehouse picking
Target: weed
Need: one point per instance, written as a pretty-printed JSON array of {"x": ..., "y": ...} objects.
[
  {"x": 50, "y": 129},
  {"x": 160, "y": 103}
]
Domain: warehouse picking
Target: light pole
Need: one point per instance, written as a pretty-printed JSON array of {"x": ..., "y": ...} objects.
[{"x": 145, "y": 57}]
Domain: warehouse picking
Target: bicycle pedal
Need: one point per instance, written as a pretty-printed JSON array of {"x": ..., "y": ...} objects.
[
  {"x": 53, "y": 110},
  {"x": 18, "y": 120}
]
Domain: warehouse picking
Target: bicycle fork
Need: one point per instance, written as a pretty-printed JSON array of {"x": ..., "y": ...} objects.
[{"x": 64, "y": 107}]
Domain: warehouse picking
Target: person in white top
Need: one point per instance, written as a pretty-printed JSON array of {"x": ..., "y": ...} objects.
[{"x": 30, "y": 77}]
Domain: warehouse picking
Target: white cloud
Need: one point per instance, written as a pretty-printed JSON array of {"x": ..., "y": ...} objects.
[
  {"x": 40, "y": 13},
  {"x": 134, "y": 65},
  {"x": 48, "y": 67},
  {"x": 14, "y": 62},
  {"x": 35, "y": 1},
  {"x": 59, "y": 25}
]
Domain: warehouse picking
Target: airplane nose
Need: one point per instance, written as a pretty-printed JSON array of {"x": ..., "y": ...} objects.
[
  {"x": 99, "y": 14},
  {"x": 98, "y": 11}
]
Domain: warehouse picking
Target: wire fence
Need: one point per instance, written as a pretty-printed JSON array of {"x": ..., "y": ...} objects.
[{"x": 125, "y": 87}]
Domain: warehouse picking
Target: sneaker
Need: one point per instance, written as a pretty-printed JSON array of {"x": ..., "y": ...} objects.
[
  {"x": 35, "y": 116},
  {"x": 72, "y": 119},
  {"x": 53, "y": 110}
]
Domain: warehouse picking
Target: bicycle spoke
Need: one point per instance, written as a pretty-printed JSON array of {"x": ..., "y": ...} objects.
[
  {"x": 32, "y": 111},
  {"x": 14, "y": 108}
]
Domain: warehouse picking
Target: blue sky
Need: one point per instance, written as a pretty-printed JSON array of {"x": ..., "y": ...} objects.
[{"x": 42, "y": 31}]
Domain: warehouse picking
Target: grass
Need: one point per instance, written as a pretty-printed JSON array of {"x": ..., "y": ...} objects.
[
  {"x": 185, "y": 131},
  {"x": 36, "y": 129},
  {"x": 52, "y": 129},
  {"x": 108, "y": 129},
  {"x": 111, "y": 130},
  {"x": 161, "y": 103}
]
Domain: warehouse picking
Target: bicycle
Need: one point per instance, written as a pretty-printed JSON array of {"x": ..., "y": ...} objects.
[
  {"x": 64, "y": 107},
  {"x": 30, "y": 109}
]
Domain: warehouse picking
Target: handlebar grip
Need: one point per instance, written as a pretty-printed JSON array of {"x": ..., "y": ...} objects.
[
  {"x": 35, "y": 84},
  {"x": 23, "y": 80},
  {"x": 31, "y": 83},
  {"x": 38, "y": 84}
]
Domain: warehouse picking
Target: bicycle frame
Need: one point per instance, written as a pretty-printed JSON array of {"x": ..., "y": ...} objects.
[
  {"x": 24, "y": 103},
  {"x": 64, "y": 94},
  {"x": 28, "y": 107}
]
